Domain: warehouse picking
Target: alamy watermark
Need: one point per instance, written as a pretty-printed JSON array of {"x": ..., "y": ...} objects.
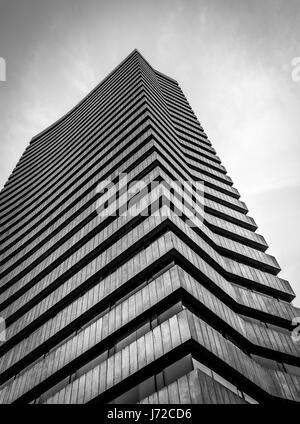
[
  {"x": 137, "y": 197},
  {"x": 2, "y": 69},
  {"x": 295, "y": 64},
  {"x": 296, "y": 331}
]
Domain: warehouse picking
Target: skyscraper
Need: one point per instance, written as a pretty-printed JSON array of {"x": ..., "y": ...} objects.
[{"x": 112, "y": 295}]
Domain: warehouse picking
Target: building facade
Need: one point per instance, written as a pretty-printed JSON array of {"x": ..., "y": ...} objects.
[{"x": 124, "y": 297}]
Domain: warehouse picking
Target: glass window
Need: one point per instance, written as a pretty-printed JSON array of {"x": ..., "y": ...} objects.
[
  {"x": 171, "y": 373},
  {"x": 178, "y": 369},
  {"x": 154, "y": 321},
  {"x": 162, "y": 271},
  {"x": 131, "y": 396},
  {"x": 131, "y": 292},
  {"x": 146, "y": 387},
  {"x": 169, "y": 312},
  {"x": 266, "y": 362},
  {"x": 124, "y": 341},
  {"x": 254, "y": 320},
  {"x": 292, "y": 369},
  {"x": 143, "y": 329},
  {"x": 202, "y": 367},
  {"x": 54, "y": 389},
  {"x": 159, "y": 379},
  {"x": 279, "y": 329},
  {"x": 249, "y": 399},
  {"x": 8, "y": 382},
  {"x": 233, "y": 388},
  {"x": 95, "y": 318},
  {"x": 91, "y": 364},
  {"x": 233, "y": 341},
  {"x": 225, "y": 383}
]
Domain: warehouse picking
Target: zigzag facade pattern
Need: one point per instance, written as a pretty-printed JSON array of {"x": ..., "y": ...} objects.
[{"x": 137, "y": 309}]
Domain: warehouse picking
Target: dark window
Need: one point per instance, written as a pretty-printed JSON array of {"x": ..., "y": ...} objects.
[
  {"x": 169, "y": 312},
  {"x": 54, "y": 389},
  {"x": 156, "y": 382},
  {"x": 232, "y": 387},
  {"x": 147, "y": 387},
  {"x": 201, "y": 367},
  {"x": 143, "y": 329},
  {"x": 162, "y": 271},
  {"x": 131, "y": 396},
  {"x": 266, "y": 362},
  {"x": 279, "y": 329},
  {"x": 159, "y": 381},
  {"x": 97, "y": 316},
  {"x": 126, "y": 340},
  {"x": 292, "y": 369},
  {"x": 178, "y": 369},
  {"x": 249, "y": 399},
  {"x": 94, "y": 362},
  {"x": 130, "y": 293}
]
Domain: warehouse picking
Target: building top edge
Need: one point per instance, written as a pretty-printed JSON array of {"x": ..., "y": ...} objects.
[
  {"x": 51, "y": 126},
  {"x": 166, "y": 76}
]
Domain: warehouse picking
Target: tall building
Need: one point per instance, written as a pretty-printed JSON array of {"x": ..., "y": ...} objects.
[{"x": 156, "y": 306}]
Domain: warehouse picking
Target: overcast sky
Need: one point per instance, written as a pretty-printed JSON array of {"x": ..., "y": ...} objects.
[{"x": 232, "y": 58}]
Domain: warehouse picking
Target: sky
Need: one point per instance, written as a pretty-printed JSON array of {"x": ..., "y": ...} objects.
[{"x": 236, "y": 61}]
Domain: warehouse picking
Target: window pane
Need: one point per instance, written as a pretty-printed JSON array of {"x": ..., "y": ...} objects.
[
  {"x": 159, "y": 381},
  {"x": 265, "y": 362},
  {"x": 91, "y": 364},
  {"x": 279, "y": 329},
  {"x": 54, "y": 389},
  {"x": 178, "y": 369},
  {"x": 146, "y": 388},
  {"x": 95, "y": 318},
  {"x": 249, "y": 399},
  {"x": 162, "y": 271},
  {"x": 154, "y": 322},
  {"x": 131, "y": 396},
  {"x": 202, "y": 367},
  {"x": 225, "y": 383},
  {"x": 292, "y": 369},
  {"x": 127, "y": 295},
  {"x": 126, "y": 340},
  {"x": 169, "y": 312},
  {"x": 143, "y": 329}
]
